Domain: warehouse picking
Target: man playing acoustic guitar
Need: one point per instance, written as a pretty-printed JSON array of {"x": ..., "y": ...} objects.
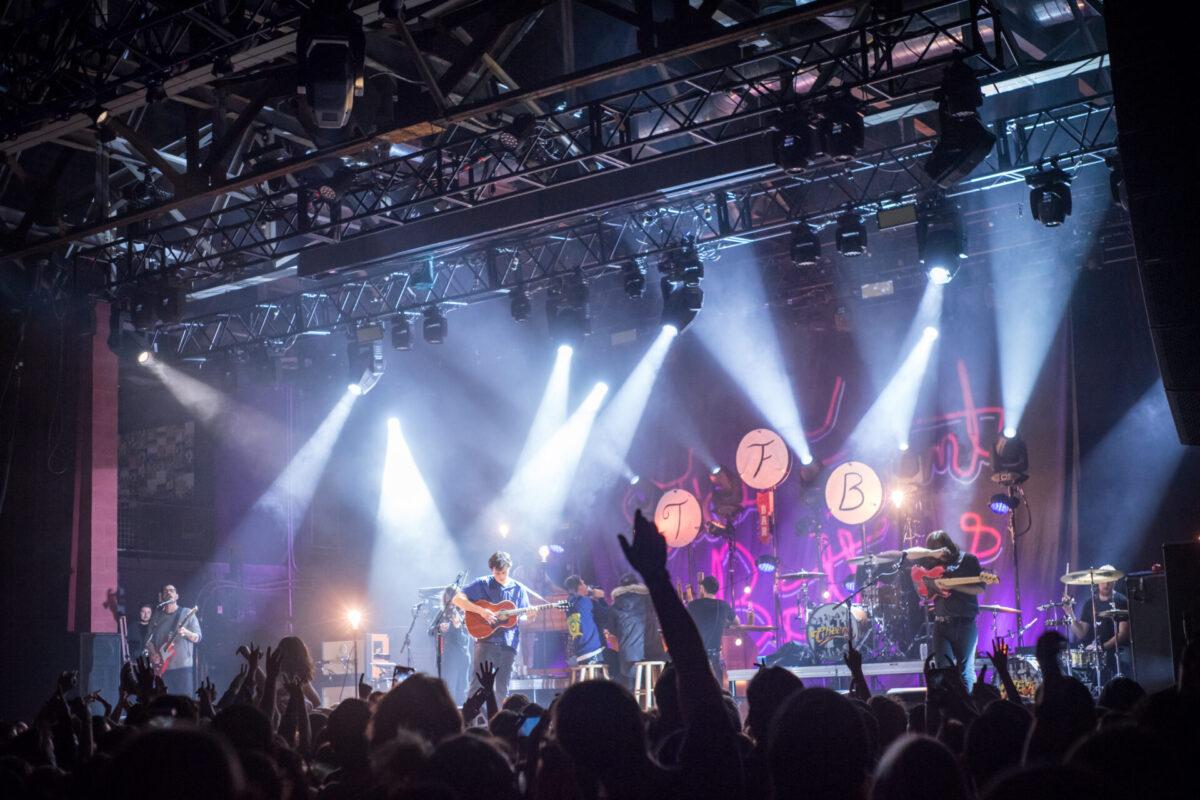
[
  {"x": 954, "y": 608},
  {"x": 501, "y": 646}
]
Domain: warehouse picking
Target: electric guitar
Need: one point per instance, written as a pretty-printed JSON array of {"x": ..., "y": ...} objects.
[
  {"x": 160, "y": 657},
  {"x": 929, "y": 583},
  {"x": 506, "y": 616}
]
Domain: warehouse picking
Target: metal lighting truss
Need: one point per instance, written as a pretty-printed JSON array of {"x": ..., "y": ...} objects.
[
  {"x": 1075, "y": 134},
  {"x": 894, "y": 63}
]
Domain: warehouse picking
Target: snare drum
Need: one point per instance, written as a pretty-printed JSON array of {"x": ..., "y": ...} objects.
[
  {"x": 827, "y": 631},
  {"x": 1081, "y": 658}
]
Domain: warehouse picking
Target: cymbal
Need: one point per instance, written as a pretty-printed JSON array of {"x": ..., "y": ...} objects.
[
  {"x": 1114, "y": 613},
  {"x": 758, "y": 628},
  {"x": 999, "y": 609},
  {"x": 886, "y": 556},
  {"x": 1085, "y": 577},
  {"x": 802, "y": 575}
]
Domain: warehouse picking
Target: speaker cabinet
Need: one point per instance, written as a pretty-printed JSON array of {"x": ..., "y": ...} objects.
[
  {"x": 1182, "y": 562},
  {"x": 100, "y": 664},
  {"x": 1150, "y": 629}
]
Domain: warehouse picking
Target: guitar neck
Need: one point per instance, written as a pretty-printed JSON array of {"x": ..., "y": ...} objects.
[
  {"x": 960, "y": 581},
  {"x": 513, "y": 612}
]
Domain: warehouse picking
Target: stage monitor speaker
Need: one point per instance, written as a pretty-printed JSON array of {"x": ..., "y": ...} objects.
[
  {"x": 100, "y": 664},
  {"x": 339, "y": 657},
  {"x": 1158, "y": 186},
  {"x": 1182, "y": 563},
  {"x": 1150, "y": 629}
]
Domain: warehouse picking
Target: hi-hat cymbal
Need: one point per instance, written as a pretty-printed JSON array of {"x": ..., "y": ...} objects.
[
  {"x": 802, "y": 575},
  {"x": 1114, "y": 613},
  {"x": 758, "y": 628},
  {"x": 999, "y": 609},
  {"x": 886, "y": 556},
  {"x": 1086, "y": 577}
]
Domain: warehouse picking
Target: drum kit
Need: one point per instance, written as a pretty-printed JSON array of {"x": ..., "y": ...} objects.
[
  {"x": 1084, "y": 662},
  {"x": 875, "y": 617}
]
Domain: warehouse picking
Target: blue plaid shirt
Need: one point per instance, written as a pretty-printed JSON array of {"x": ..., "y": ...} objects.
[{"x": 486, "y": 588}]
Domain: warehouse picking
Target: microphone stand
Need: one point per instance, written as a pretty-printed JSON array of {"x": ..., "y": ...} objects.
[{"x": 408, "y": 634}]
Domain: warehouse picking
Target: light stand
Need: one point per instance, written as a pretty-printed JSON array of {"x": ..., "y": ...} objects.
[{"x": 1013, "y": 491}]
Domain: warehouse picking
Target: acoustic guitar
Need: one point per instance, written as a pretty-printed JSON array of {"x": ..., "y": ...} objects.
[
  {"x": 929, "y": 583},
  {"x": 506, "y": 616}
]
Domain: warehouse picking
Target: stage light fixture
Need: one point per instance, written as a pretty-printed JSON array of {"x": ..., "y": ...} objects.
[
  {"x": 715, "y": 470},
  {"x": 898, "y": 497},
  {"x": 1010, "y": 432},
  {"x": 940, "y": 275},
  {"x": 682, "y": 296},
  {"x": 634, "y": 479},
  {"x": 633, "y": 275},
  {"x": 1010, "y": 460},
  {"x": 401, "y": 333},
  {"x": 515, "y": 132},
  {"x": 98, "y": 115},
  {"x": 941, "y": 243},
  {"x": 1050, "y": 196},
  {"x": 434, "y": 326},
  {"x": 544, "y": 553},
  {"x": 519, "y": 305},
  {"x": 806, "y": 247},
  {"x": 851, "y": 234},
  {"x": 931, "y": 333},
  {"x": 365, "y": 364},
  {"x": 841, "y": 127},
  {"x": 504, "y": 530},
  {"x": 568, "y": 313},
  {"x": 330, "y": 60},
  {"x": 145, "y": 358},
  {"x": 766, "y": 563},
  {"x": 903, "y": 446},
  {"x": 1003, "y": 503},
  {"x": 793, "y": 142},
  {"x": 355, "y": 618}
]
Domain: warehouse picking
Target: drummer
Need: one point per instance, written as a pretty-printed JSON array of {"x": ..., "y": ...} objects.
[{"x": 1107, "y": 599}]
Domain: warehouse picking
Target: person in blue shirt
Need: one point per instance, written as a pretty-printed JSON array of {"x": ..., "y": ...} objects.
[
  {"x": 586, "y": 614},
  {"x": 502, "y": 645}
]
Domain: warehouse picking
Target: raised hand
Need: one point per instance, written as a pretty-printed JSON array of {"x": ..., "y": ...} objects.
[
  {"x": 648, "y": 551},
  {"x": 207, "y": 694},
  {"x": 66, "y": 681},
  {"x": 474, "y": 704},
  {"x": 487, "y": 675},
  {"x": 999, "y": 655},
  {"x": 252, "y": 655},
  {"x": 274, "y": 661},
  {"x": 853, "y": 658},
  {"x": 145, "y": 679}
]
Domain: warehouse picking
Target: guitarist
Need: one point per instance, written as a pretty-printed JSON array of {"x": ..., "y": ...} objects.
[
  {"x": 501, "y": 647},
  {"x": 954, "y": 632},
  {"x": 171, "y": 619}
]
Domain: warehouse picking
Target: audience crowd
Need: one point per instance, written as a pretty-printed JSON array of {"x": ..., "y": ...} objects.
[{"x": 263, "y": 739}]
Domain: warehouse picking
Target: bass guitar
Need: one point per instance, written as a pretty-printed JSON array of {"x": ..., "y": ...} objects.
[
  {"x": 506, "y": 616},
  {"x": 160, "y": 657},
  {"x": 929, "y": 583}
]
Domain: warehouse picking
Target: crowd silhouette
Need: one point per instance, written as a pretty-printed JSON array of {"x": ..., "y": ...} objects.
[{"x": 266, "y": 738}]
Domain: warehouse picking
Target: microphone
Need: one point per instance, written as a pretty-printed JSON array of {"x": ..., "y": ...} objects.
[
  {"x": 458, "y": 581},
  {"x": 164, "y": 603}
]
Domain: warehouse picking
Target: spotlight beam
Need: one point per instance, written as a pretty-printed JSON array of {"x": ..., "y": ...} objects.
[
  {"x": 409, "y": 531},
  {"x": 243, "y": 427},
  {"x": 744, "y": 343},
  {"x": 891, "y": 415},
  {"x": 289, "y": 495},
  {"x": 534, "y": 497},
  {"x": 552, "y": 411},
  {"x": 618, "y": 424}
]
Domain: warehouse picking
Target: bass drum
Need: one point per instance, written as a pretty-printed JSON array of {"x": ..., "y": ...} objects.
[
  {"x": 1026, "y": 674},
  {"x": 827, "y": 631}
]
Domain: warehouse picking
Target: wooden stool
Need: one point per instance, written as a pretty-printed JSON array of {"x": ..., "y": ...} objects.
[
  {"x": 588, "y": 672},
  {"x": 645, "y": 675}
]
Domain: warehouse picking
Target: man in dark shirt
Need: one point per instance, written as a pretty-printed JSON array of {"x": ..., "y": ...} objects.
[
  {"x": 139, "y": 634},
  {"x": 172, "y": 619},
  {"x": 586, "y": 611},
  {"x": 1112, "y": 638},
  {"x": 501, "y": 646},
  {"x": 712, "y": 617},
  {"x": 954, "y": 632}
]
